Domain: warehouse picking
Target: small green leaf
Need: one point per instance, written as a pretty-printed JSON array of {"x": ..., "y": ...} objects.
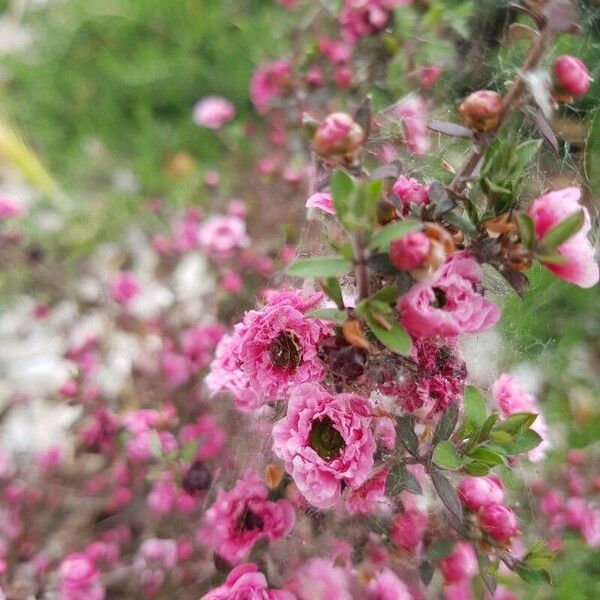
[
  {"x": 524, "y": 441},
  {"x": 188, "y": 452},
  {"x": 462, "y": 224},
  {"x": 440, "y": 549},
  {"x": 341, "y": 187},
  {"x": 331, "y": 287},
  {"x": 526, "y": 229},
  {"x": 447, "y": 493},
  {"x": 330, "y": 266},
  {"x": 487, "y": 456},
  {"x": 400, "y": 479},
  {"x": 564, "y": 230},
  {"x": 476, "y": 468},
  {"x": 395, "y": 338},
  {"x": 534, "y": 577},
  {"x": 524, "y": 153},
  {"x": 445, "y": 456},
  {"x": 387, "y": 294},
  {"x": 446, "y": 425},
  {"x": 553, "y": 258},
  {"x": 475, "y": 406},
  {"x": 516, "y": 422},
  {"x": 382, "y": 239},
  {"x": 405, "y": 431},
  {"x": 328, "y": 314}
]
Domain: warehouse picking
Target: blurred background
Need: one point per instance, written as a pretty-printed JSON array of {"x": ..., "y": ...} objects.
[{"x": 96, "y": 102}]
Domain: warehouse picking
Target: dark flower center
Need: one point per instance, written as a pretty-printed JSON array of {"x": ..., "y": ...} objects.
[
  {"x": 325, "y": 439},
  {"x": 440, "y": 298},
  {"x": 197, "y": 479},
  {"x": 285, "y": 351},
  {"x": 249, "y": 521}
]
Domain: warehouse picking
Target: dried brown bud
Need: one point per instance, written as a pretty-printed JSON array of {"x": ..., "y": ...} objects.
[{"x": 482, "y": 110}]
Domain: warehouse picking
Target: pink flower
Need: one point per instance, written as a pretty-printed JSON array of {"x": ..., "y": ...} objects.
[
  {"x": 550, "y": 209},
  {"x": 360, "y": 18},
  {"x": 460, "y": 565},
  {"x": 186, "y": 232},
  {"x": 154, "y": 558},
  {"x": 10, "y": 209},
  {"x": 370, "y": 496},
  {"x": 322, "y": 201},
  {"x": 458, "y": 591},
  {"x": 575, "y": 511},
  {"x": 124, "y": 287},
  {"x": 429, "y": 75},
  {"x": 268, "y": 81},
  {"x": 221, "y": 235},
  {"x": 387, "y": 586},
  {"x": 571, "y": 75},
  {"x": 78, "y": 579},
  {"x": 337, "y": 52},
  {"x": 511, "y": 398},
  {"x": 213, "y": 112},
  {"x": 325, "y": 441},
  {"x": 499, "y": 522},
  {"x": 409, "y": 251},
  {"x": 590, "y": 527},
  {"x": 319, "y": 579},
  {"x": 408, "y": 530},
  {"x": 413, "y": 111},
  {"x": 246, "y": 583},
  {"x": 242, "y": 516},
  {"x": 477, "y": 492},
  {"x": 199, "y": 342},
  {"x": 450, "y": 304},
  {"x": 410, "y": 191},
  {"x": 273, "y": 349}
]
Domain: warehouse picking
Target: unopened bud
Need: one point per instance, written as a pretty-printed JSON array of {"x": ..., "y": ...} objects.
[
  {"x": 410, "y": 251},
  {"x": 482, "y": 110},
  {"x": 338, "y": 135},
  {"x": 571, "y": 76}
]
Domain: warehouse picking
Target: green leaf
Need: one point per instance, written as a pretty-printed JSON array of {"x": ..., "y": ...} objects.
[
  {"x": 526, "y": 229},
  {"x": 328, "y": 314},
  {"x": 476, "y": 468},
  {"x": 342, "y": 188},
  {"x": 462, "y": 224},
  {"x": 487, "y": 456},
  {"x": 516, "y": 422},
  {"x": 534, "y": 577},
  {"x": 539, "y": 556},
  {"x": 382, "y": 239},
  {"x": 447, "y": 493},
  {"x": 445, "y": 456},
  {"x": 331, "y": 287},
  {"x": 330, "y": 266},
  {"x": 440, "y": 549},
  {"x": 400, "y": 479},
  {"x": 525, "y": 153},
  {"x": 564, "y": 230},
  {"x": 475, "y": 406},
  {"x": 485, "y": 572},
  {"x": 446, "y": 425},
  {"x": 386, "y": 294},
  {"x": 395, "y": 338},
  {"x": 524, "y": 441},
  {"x": 188, "y": 452},
  {"x": 405, "y": 431},
  {"x": 553, "y": 258},
  {"x": 592, "y": 154}
]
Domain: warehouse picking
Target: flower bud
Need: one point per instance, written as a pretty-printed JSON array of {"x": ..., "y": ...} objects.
[
  {"x": 460, "y": 565},
  {"x": 571, "y": 75},
  {"x": 197, "y": 479},
  {"x": 408, "y": 530},
  {"x": 338, "y": 135},
  {"x": 482, "y": 110},
  {"x": 410, "y": 191},
  {"x": 477, "y": 492},
  {"x": 499, "y": 522},
  {"x": 410, "y": 251}
]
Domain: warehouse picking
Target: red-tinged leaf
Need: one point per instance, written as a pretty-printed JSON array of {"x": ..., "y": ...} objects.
[
  {"x": 542, "y": 125},
  {"x": 452, "y": 129}
]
